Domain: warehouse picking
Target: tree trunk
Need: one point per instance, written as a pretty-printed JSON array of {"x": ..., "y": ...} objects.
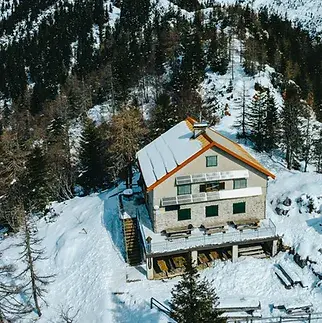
[{"x": 31, "y": 268}]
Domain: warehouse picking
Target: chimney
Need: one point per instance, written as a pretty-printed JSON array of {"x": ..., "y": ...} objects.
[{"x": 199, "y": 128}]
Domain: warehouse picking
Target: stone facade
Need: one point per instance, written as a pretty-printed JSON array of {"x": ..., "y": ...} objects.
[
  {"x": 255, "y": 210},
  {"x": 255, "y": 205}
]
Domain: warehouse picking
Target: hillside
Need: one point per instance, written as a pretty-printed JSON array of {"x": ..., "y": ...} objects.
[
  {"x": 85, "y": 84},
  {"x": 305, "y": 13},
  {"x": 85, "y": 251}
]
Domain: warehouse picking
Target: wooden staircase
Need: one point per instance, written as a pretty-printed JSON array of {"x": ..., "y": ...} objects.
[{"x": 132, "y": 241}]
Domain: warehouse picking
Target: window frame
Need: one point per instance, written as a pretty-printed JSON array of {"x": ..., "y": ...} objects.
[
  {"x": 185, "y": 218},
  {"x": 236, "y": 181},
  {"x": 208, "y": 158},
  {"x": 180, "y": 186},
  {"x": 216, "y": 210},
  {"x": 237, "y": 205}
]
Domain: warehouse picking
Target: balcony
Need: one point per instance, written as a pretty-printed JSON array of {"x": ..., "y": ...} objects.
[
  {"x": 211, "y": 196},
  {"x": 159, "y": 244}
]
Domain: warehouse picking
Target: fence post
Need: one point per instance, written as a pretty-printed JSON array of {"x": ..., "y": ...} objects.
[
  {"x": 151, "y": 303},
  {"x": 310, "y": 318}
]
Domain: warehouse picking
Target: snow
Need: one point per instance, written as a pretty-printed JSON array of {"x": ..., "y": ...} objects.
[
  {"x": 84, "y": 244},
  {"x": 167, "y": 152},
  {"x": 307, "y": 13},
  {"x": 241, "y": 192}
]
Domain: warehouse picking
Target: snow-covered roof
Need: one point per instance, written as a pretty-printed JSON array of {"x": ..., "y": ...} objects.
[
  {"x": 167, "y": 152},
  {"x": 177, "y": 147}
]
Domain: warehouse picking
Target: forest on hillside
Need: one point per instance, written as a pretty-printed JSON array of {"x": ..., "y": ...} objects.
[{"x": 79, "y": 57}]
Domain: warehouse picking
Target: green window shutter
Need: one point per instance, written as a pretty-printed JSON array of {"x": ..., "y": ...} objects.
[
  {"x": 211, "y": 161},
  {"x": 184, "y": 214},
  {"x": 211, "y": 210},
  {"x": 240, "y": 183},
  {"x": 183, "y": 189},
  {"x": 239, "y": 207}
]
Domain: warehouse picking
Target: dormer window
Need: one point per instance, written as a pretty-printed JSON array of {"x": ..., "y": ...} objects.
[{"x": 211, "y": 161}]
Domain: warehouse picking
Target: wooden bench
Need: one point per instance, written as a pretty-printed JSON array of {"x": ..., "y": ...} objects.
[
  {"x": 177, "y": 233},
  {"x": 214, "y": 229},
  {"x": 244, "y": 225}
]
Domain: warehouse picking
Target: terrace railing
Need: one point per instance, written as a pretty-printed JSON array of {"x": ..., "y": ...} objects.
[{"x": 266, "y": 230}]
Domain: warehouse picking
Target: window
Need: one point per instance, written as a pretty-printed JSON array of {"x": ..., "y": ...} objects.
[
  {"x": 211, "y": 161},
  {"x": 184, "y": 214},
  {"x": 184, "y": 189},
  {"x": 239, "y": 208},
  {"x": 240, "y": 183},
  {"x": 211, "y": 187},
  {"x": 211, "y": 210},
  {"x": 172, "y": 208}
]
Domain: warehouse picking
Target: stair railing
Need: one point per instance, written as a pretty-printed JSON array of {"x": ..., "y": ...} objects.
[{"x": 161, "y": 307}]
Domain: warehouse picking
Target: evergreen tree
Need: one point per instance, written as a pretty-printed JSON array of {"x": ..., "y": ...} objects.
[
  {"x": 194, "y": 300},
  {"x": 256, "y": 118},
  {"x": 318, "y": 153},
  {"x": 92, "y": 175},
  {"x": 163, "y": 116},
  {"x": 36, "y": 181},
  {"x": 218, "y": 55},
  {"x": 291, "y": 123},
  {"x": 271, "y": 125}
]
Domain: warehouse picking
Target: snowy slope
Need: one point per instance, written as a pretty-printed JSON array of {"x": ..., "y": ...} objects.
[
  {"x": 84, "y": 249},
  {"x": 21, "y": 27},
  {"x": 306, "y": 12}
]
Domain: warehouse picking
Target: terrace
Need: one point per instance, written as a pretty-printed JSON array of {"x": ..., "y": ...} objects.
[{"x": 157, "y": 243}]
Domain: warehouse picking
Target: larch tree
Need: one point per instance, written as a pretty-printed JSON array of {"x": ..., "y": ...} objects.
[
  {"x": 31, "y": 254},
  {"x": 127, "y": 134},
  {"x": 194, "y": 300},
  {"x": 11, "y": 304}
]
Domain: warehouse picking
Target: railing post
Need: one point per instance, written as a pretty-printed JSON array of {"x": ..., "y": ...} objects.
[
  {"x": 151, "y": 303},
  {"x": 310, "y": 318}
]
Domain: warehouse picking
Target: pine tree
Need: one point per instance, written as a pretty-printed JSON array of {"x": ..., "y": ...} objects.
[
  {"x": 318, "y": 153},
  {"x": 256, "y": 118},
  {"x": 271, "y": 125},
  {"x": 194, "y": 300},
  {"x": 92, "y": 176},
  {"x": 36, "y": 181},
  {"x": 291, "y": 123},
  {"x": 163, "y": 116}
]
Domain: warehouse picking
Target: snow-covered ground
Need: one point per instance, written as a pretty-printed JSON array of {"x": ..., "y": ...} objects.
[
  {"x": 84, "y": 247},
  {"x": 84, "y": 244},
  {"x": 305, "y": 12}
]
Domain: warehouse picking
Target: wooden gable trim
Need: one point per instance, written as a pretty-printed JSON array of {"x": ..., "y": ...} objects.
[
  {"x": 186, "y": 162},
  {"x": 261, "y": 169}
]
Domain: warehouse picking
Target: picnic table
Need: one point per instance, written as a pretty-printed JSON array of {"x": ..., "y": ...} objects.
[
  {"x": 214, "y": 229},
  {"x": 177, "y": 233}
]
